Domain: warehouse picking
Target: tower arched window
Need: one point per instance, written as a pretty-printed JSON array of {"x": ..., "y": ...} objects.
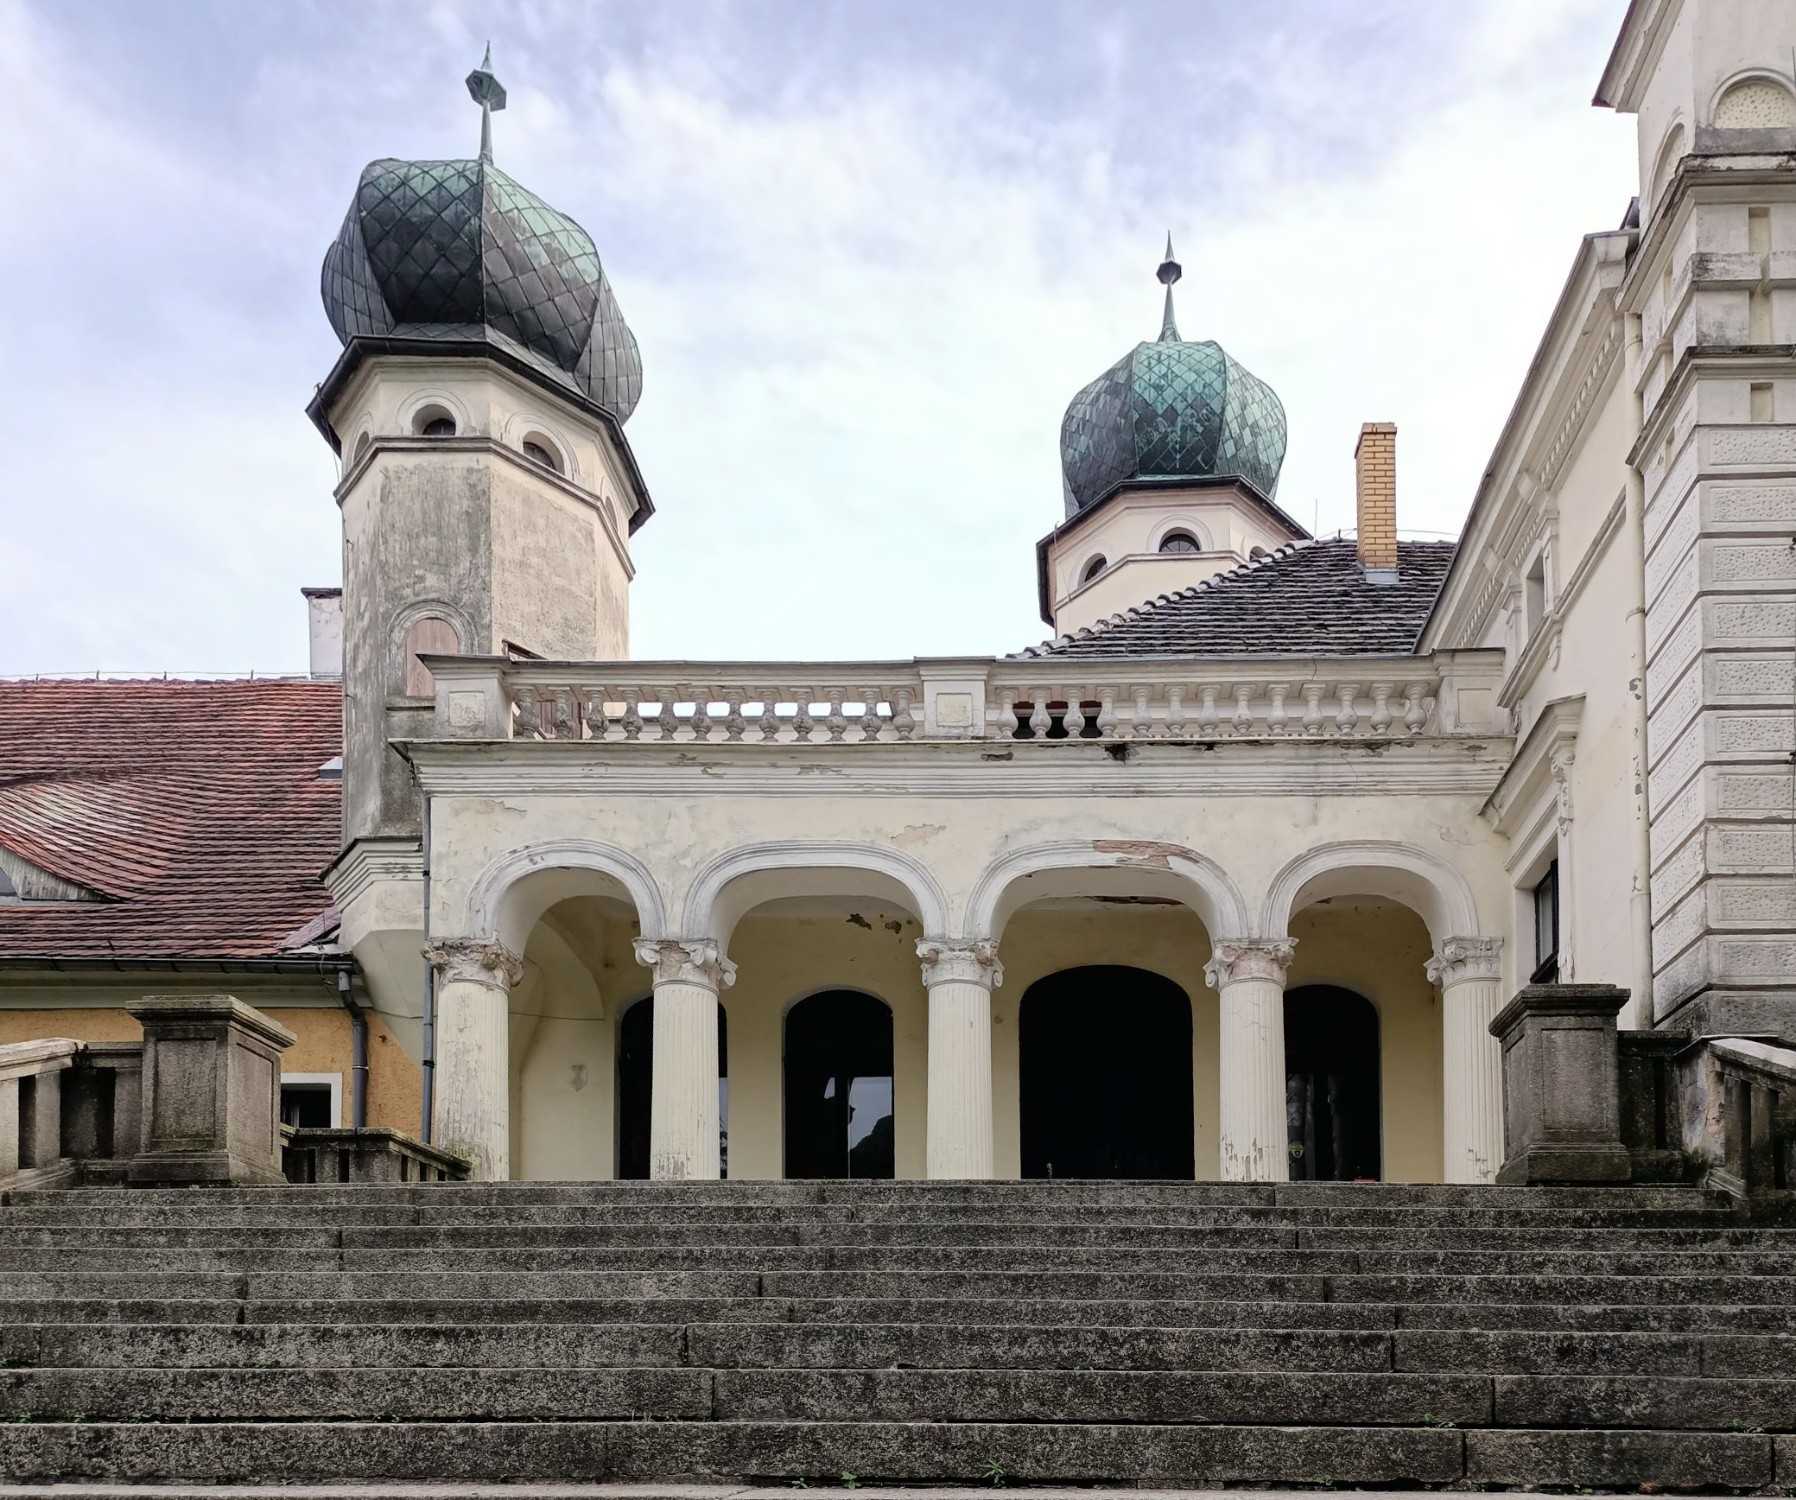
[
  {"x": 426, "y": 636},
  {"x": 539, "y": 451},
  {"x": 1093, "y": 568},
  {"x": 1179, "y": 541},
  {"x": 434, "y": 422}
]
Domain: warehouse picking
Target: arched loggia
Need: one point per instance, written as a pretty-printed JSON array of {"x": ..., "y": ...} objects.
[
  {"x": 1332, "y": 1085},
  {"x": 635, "y": 1079},
  {"x": 839, "y": 1119}
]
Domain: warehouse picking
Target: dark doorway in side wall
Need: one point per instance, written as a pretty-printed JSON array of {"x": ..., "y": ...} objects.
[
  {"x": 635, "y": 1083},
  {"x": 1105, "y": 1065},
  {"x": 1332, "y": 1085},
  {"x": 839, "y": 1115}
]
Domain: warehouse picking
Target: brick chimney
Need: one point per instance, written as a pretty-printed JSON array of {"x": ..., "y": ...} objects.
[{"x": 1375, "y": 473}]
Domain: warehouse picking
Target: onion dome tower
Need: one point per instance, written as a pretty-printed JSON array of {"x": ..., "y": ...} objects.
[
  {"x": 487, "y": 489},
  {"x": 1169, "y": 463}
]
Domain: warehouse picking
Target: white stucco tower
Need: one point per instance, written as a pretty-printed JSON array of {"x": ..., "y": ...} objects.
[{"x": 1710, "y": 297}]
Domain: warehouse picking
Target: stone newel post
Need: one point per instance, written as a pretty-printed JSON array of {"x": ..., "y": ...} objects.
[
  {"x": 1469, "y": 971},
  {"x": 683, "y": 1123},
  {"x": 960, "y": 978},
  {"x": 1249, "y": 978},
  {"x": 1561, "y": 1085},
  {"x": 471, "y": 1109}
]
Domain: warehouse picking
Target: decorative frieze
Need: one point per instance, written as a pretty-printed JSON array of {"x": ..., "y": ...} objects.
[
  {"x": 1235, "y": 959},
  {"x": 1458, "y": 959},
  {"x": 947, "y": 962},
  {"x": 483, "y": 961},
  {"x": 694, "y": 961}
]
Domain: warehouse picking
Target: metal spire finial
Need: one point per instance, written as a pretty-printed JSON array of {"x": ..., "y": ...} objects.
[
  {"x": 486, "y": 91},
  {"x": 1169, "y": 272}
]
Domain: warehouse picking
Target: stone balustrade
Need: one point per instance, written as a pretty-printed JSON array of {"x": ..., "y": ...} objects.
[{"x": 1372, "y": 698}]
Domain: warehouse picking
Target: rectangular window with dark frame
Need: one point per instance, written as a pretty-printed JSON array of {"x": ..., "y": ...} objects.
[{"x": 1546, "y": 928}]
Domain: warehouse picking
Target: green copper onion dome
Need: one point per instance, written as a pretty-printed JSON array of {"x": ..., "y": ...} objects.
[
  {"x": 1167, "y": 411},
  {"x": 458, "y": 252}
]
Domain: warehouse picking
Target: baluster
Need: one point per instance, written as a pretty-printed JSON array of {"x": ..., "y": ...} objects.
[
  {"x": 804, "y": 725},
  {"x": 632, "y": 713},
  {"x": 836, "y": 720},
  {"x": 564, "y": 714},
  {"x": 1175, "y": 711},
  {"x": 1040, "y": 720},
  {"x": 529, "y": 720},
  {"x": 1381, "y": 707},
  {"x": 735, "y": 725},
  {"x": 872, "y": 726},
  {"x": 1415, "y": 713},
  {"x": 715, "y": 727},
  {"x": 1007, "y": 720},
  {"x": 1243, "y": 720},
  {"x": 1206, "y": 712},
  {"x": 1075, "y": 712},
  {"x": 1312, "y": 707},
  {"x": 592, "y": 712},
  {"x": 903, "y": 719},
  {"x": 1275, "y": 715},
  {"x": 1142, "y": 726},
  {"x": 1107, "y": 724},
  {"x": 770, "y": 714},
  {"x": 1348, "y": 717}
]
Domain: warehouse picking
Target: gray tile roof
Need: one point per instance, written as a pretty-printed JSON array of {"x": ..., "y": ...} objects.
[{"x": 1305, "y": 599}]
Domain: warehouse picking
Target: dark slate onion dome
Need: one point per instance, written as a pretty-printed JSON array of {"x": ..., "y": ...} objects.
[
  {"x": 1167, "y": 411},
  {"x": 457, "y": 252}
]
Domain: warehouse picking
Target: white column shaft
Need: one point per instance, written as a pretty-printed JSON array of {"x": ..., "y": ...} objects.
[
  {"x": 1472, "y": 1081},
  {"x": 683, "y": 1123},
  {"x": 471, "y": 1112},
  {"x": 960, "y": 1080},
  {"x": 1253, "y": 1129}
]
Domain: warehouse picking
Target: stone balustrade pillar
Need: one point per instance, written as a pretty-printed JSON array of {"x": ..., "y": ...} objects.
[
  {"x": 1248, "y": 976},
  {"x": 471, "y": 1098},
  {"x": 1469, "y": 971},
  {"x": 960, "y": 978},
  {"x": 683, "y": 1122}
]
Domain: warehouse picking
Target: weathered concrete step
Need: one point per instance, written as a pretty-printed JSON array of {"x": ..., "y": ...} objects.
[
  {"x": 308, "y": 1285},
  {"x": 1051, "y": 1285},
  {"x": 113, "y": 1286},
  {"x": 349, "y": 1311},
  {"x": 438, "y": 1394},
  {"x": 1580, "y": 1401},
  {"x": 954, "y": 1453},
  {"x": 1086, "y": 1312},
  {"x": 1571, "y": 1289}
]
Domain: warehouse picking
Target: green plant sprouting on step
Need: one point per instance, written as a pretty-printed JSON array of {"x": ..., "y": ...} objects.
[
  {"x": 850, "y": 1481},
  {"x": 994, "y": 1473},
  {"x": 1431, "y": 1419}
]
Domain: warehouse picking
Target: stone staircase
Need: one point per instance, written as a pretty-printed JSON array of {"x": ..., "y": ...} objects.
[{"x": 947, "y": 1333}]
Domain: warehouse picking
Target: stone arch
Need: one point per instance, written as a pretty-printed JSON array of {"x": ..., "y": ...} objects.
[
  {"x": 1755, "y": 99},
  {"x": 1424, "y": 882},
  {"x": 399, "y": 638},
  {"x": 437, "y": 396},
  {"x": 1672, "y": 150},
  {"x": 1172, "y": 524},
  {"x": 517, "y": 887},
  {"x": 735, "y": 882},
  {"x": 1104, "y": 866}
]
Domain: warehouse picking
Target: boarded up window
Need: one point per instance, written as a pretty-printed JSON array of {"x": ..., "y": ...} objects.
[{"x": 427, "y": 634}]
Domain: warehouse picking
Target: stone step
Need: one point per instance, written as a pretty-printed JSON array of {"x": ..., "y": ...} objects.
[
  {"x": 953, "y": 1453},
  {"x": 307, "y": 1285}
]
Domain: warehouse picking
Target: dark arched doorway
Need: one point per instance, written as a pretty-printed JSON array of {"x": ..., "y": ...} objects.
[
  {"x": 839, "y": 1087},
  {"x": 1331, "y": 1085},
  {"x": 1105, "y": 1062},
  {"x": 635, "y": 1079}
]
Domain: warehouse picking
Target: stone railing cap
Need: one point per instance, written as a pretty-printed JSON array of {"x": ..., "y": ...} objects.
[
  {"x": 211, "y": 1008},
  {"x": 373, "y": 1137},
  {"x": 45, "y": 1055},
  {"x": 1559, "y": 1000}
]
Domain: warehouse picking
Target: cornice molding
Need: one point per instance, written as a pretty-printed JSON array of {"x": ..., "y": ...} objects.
[
  {"x": 366, "y": 862},
  {"x": 1536, "y": 773}
]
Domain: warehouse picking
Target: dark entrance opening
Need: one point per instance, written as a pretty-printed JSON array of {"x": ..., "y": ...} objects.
[
  {"x": 635, "y": 1082},
  {"x": 839, "y": 1087},
  {"x": 1331, "y": 1085},
  {"x": 1105, "y": 1062}
]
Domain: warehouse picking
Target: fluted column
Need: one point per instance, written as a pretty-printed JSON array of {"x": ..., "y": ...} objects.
[
  {"x": 1469, "y": 971},
  {"x": 1248, "y": 976},
  {"x": 471, "y": 1097},
  {"x": 960, "y": 978},
  {"x": 683, "y": 1124}
]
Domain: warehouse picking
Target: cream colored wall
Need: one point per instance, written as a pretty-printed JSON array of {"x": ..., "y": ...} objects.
[{"x": 1127, "y": 531}]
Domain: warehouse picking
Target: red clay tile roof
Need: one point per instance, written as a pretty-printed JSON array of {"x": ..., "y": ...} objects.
[{"x": 194, "y": 808}]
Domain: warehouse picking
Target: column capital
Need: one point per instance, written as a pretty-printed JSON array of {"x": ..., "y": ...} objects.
[
  {"x": 696, "y": 961},
  {"x": 949, "y": 962},
  {"x": 484, "y": 961},
  {"x": 1232, "y": 959},
  {"x": 1462, "y": 958}
]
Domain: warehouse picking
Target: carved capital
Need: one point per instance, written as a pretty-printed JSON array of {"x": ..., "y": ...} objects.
[
  {"x": 1233, "y": 959},
  {"x": 1461, "y": 958},
  {"x": 475, "y": 961},
  {"x": 960, "y": 963},
  {"x": 697, "y": 961}
]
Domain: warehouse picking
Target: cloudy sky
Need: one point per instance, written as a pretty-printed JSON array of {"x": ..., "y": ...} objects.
[{"x": 869, "y": 248}]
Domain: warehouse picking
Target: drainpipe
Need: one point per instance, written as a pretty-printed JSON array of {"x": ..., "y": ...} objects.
[
  {"x": 1640, "y": 901},
  {"x": 358, "y": 1053},
  {"x": 430, "y": 995}
]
